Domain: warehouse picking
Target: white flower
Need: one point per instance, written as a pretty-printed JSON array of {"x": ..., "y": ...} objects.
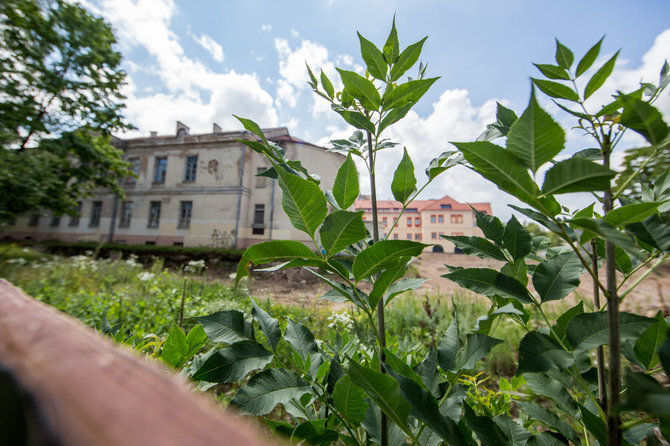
[{"x": 145, "y": 276}]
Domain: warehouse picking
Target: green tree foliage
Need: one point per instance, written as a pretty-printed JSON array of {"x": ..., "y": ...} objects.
[{"x": 60, "y": 100}]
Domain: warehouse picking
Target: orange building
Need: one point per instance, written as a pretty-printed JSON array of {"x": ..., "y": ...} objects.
[{"x": 425, "y": 220}]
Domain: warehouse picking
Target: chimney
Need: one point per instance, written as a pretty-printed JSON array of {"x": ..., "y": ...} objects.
[
  {"x": 154, "y": 134},
  {"x": 182, "y": 129},
  {"x": 216, "y": 128}
]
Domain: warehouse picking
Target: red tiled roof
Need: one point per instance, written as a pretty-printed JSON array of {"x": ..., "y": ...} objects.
[{"x": 424, "y": 205}]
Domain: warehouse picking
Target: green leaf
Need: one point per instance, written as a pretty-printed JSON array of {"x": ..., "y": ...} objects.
[
  {"x": 653, "y": 231},
  {"x": 577, "y": 175},
  {"x": 557, "y": 276},
  {"x": 233, "y": 362},
  {"x": 540, "y": 353},
  {"x": 476, "y": 246},
  {"x": 394, "y": 116},
  {"x": 409, "y": 92},
  {"x": 490, "y": 225},
  {"x": 303, "y": 202},
  {"x": 402, "y": 286},
  {"x": 255, "y": 128},
  {"x": 535, "y": 137},
  {"x": 541, "y": 384},
  {"x": 488, "y": 432},
  {"x": 595, "y": 425},
  {"x": 345, "y": 188},
  {"x": 564, "y": 56},
  {"x": 175, "y": 347},
  {"x": 600, "y": 77},
  {"x": 350, "y": 401},
  {"x": 449, "y": 346},
  {"x": 630, "y": 213},
  {"x": 271, "y": 251},
  {"x": 590, "y": 330},
  {"x": 490, "y": 283},
  {"x": 384, "y": 391},
  {"x": 314, "y": 432},
  {"x": 646, "y": 394},
  {"x": 517, "y": 239},
  {"x": 477, "y": 345},
  {"x": 227, "y": 326},
  {"x": 512, "y": 430},
  {"x": 373, "y": 57},
  {"x": 341, "y": 229},
  {"x": 664, "y": 354},
  {"x": 327, "y": 85},
  {"x": 404, "y": 181},
  {"x": 501, "y": 168},
  {"x": 312, "y": 78},
  {"x": 556, "y": 90},
  {"x": 269, "y": 388},
  {"x": 392, "y": 46},
  {"x": 269, "y": 325},
  {"x": 564, "y": 319},
  {"x": 553, "y": 71},
  {"x": 385, "y": 280},
  {"x": 426, "y": 409},
  {"x": 300, "y": 338},
  {"x": 357, "y": 119},
  {"x": 400, "y": 368},
  {"x": 590, "y": 57},
  {"x": 547, "y": 439},
  {"x": 644, "y": 119},
  {"x": 544, "y": 416},
  {"x": 605, "y": 230},
  {"x": 446, "y": 160},
  {"x": 647, "y": 345},
  {"x": 196, "y": 339},
  {"x": 383, "y": 254},
  {"x": 361, "y": 88},
  {"x": 407, "y": 59}
]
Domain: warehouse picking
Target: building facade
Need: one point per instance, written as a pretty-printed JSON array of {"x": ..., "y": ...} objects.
[
  {"x": 426, "y": 220},
  {"x": 190, "y": 190}
]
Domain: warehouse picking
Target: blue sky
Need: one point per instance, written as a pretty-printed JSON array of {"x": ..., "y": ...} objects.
[{"x": 202, "y": 61}]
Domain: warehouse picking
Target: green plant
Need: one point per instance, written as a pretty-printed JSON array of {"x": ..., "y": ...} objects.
[{"x": 629, "y": 237}]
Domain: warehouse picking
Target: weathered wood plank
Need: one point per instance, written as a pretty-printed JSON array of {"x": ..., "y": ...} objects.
[{"x": 90, "y": 391}]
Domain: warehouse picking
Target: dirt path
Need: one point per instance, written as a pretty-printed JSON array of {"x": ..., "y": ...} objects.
[{"x": 298, "y": 287}]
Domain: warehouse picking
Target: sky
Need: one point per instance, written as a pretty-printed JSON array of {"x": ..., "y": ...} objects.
[{"x": 201, "y": 61}]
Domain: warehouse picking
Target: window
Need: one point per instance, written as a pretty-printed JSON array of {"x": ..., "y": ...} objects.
[
  {"x": 409, "y": 222},
  {"x": 185, "y": 211},
  {"x": 191, "y": 168},
  {"x": 261, "y": 181},
  {"x": 177, "y": 243},
  {"x": 258, "y": 227},
  {"x": 456, "y": 219},
  {"x": 55, "y": 221},
  {"x": 74, "y": 219},
  {"x": 94, "y": 221},
  {"x": 126, "y": 214},
  {"x": 409, "y": 236},
  {"x": 417, "y": 236},
  {"x": 445, "y": 206},
  {"x": 385, "y": 221},
  {"x": 160, "y": 170},
  {"x": 154, "y": 214},
  {"x": 432, "y": 219},
  {"x": 440, "y": 218},
  {"x": 433, "y": 235},
  {"x": 135, "y": 168},
  {"x": 395, "y": 236},
  {"x": 417, "y": 221},
  {"x": 34, "y": 220}
]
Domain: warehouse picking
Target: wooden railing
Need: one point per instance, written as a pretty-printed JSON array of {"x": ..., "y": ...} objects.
[{"x": 61, "y": 383}]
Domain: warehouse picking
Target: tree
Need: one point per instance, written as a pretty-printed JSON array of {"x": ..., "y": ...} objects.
[{"x": 60, "y": 101}]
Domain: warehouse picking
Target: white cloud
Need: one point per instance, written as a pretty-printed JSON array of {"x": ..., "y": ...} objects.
[
  {"x": 186, "y": 89},
  {"x": 211, "y": 46},
  {"x": 266, "y": 28},
  {"x": 295, "y": 33}
]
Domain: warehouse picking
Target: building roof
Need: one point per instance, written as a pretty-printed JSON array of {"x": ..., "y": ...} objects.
[{"x": 424, "y": 205}]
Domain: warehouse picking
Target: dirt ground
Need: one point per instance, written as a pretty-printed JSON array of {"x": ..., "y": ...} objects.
[{"x": 299, "y": 287}]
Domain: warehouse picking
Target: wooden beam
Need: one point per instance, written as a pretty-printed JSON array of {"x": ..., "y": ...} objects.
[{"x": 86, "y": 390}]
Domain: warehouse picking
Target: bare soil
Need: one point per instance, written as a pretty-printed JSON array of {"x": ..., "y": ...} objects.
[{"x": 299, "y": 287}]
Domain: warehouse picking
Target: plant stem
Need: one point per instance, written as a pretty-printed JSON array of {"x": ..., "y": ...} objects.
[
  {"x": 183, "y": 300},
  {"x": 613, "y": 420},
  {"x": 381, "y": 324},
  {"x": 600, "y": 352},
  {"x": 644, "y": 275}
]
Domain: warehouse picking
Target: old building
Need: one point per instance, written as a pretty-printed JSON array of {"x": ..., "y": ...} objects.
[
  {"x": 190, "y": 190},
  {"x": 426, "y": 220}
]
